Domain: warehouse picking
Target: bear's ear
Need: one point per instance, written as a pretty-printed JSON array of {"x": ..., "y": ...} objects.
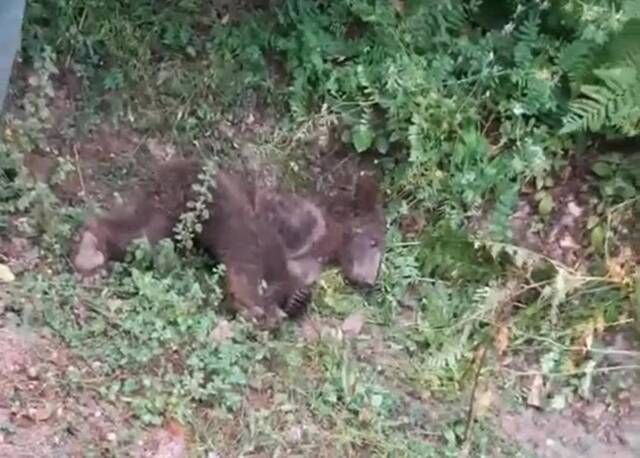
[{"x": 367, "y": 193}]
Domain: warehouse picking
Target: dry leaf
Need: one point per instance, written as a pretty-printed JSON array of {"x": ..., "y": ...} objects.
[
  {"x": 618, "y": 266},
  {"x": 501, "y": 339},
  {"x": 615, "y": 270},
  {"x": 568, "y": 242},
  {"x": 310, "y": 331},
  {"x": 159, "y": 150},
  {"x": 535, "y": 392},
  {"x": 412, "y": 225},
  {"x": 574, "y": 209},
  {"x": 600, "y": 324},
  {"x": 222, "y": 332},
  {"x": 352, "y": 325},
  {"x": 172, "y": 442},
  {"x": 586, "y": 341},
  {"x": 40, "y": 413},
  {"x": 398, "y": 5},
  {"x": 582, "y": 345},
  {"x": 483, "y": 401},
  {"x": 32, "y": 373},
  {"x": 6, "y": 276}
]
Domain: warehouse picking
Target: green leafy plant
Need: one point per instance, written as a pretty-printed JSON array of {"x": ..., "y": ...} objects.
[
  {"x": 197, "y": 212},
  {"x": 153, "y": 334}
]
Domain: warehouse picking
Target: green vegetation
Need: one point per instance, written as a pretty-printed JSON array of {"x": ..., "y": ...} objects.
[{"x": 470, "y": 107}]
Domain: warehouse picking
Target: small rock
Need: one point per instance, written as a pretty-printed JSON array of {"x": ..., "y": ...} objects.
[
  {"x": 32, "y": 373},
  {"x": 6, "y": 276},
  {"x": 222, "y": 331},
  {"x": 535, "y": 393},
  {"x": 331, "y": 333},
  {"x": 112, "y": 437},
  {"x": 353, "y": 324},
  {"x": 295, "y": 434},
  {"x": 40, "y": 413},
  {"x": 574, "y": 209}
]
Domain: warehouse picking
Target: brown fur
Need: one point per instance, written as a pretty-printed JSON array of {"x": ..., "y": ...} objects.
[
  {"x": 257, "y": 279},
  {"x": 151, "y": 213},
  {"x": 363, "y": 247},
  {"x": 346, "y": 229},
  {"x": 258, "y": 282},
  {"x": 273, "y": 244},
  {"x": 107, "y": 237}
]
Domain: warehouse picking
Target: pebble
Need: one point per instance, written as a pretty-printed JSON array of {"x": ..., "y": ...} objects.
[{"x": 32, "y": 373}]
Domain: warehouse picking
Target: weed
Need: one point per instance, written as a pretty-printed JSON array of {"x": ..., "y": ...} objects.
[
  {"x": 190, "y": 223},
  {"x": 149, "y": 334}
]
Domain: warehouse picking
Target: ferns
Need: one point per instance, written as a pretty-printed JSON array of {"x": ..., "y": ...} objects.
[
  {"x": 616, "y": 102},
  {"x": 455, "y": 320},
  {"x": 575, "y": 60},
  {"x": 605, "y": 79},
  {"x": 526, "y": 40}
]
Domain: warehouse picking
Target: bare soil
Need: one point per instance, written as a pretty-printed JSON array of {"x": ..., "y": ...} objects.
[
  {"x": 607, "y": 425},
  {"x": 43, "y": 413}
]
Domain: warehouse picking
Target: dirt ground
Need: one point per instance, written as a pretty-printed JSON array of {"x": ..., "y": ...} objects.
[
  {"x": 49, "y": 408},
  {"x": 43, "y": 413},
  {"x": 606, "y": 426}
]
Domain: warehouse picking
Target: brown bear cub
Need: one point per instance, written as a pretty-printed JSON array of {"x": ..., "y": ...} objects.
[
  {"x": 258, "y": 283},
  {"x": 272, "y": 244},
  {"x": 346, "y": 229}
]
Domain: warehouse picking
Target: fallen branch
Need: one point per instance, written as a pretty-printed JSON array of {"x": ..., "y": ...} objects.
[{"x": 470, "y": 411}]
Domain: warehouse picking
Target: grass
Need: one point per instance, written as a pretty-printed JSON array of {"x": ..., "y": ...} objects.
[{"x": 153, "y": 334}]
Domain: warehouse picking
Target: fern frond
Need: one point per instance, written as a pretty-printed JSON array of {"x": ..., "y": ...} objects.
[
  {"x": 528, "y": 32},
  {"x": 454, "y": 15},
  {"x": 500, "y": 228},
  {"x": 455, "y": 316},
  {"x": 450, "y": 354},
  {"x": 527, "y": 39},
  {"x": 631, "y": 9},
  {"x": 614, "y": 102},
  {"x": 576, "y": 59}
]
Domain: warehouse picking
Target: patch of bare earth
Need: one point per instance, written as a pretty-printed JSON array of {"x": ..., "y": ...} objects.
[
  {"x": 607, "y": 424},
  {"x": 594, "y": 429},
  {"x": 49, "y": 400},
  {"x": 561, "y": 234},
  {"x": 43, "y": 414}
]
